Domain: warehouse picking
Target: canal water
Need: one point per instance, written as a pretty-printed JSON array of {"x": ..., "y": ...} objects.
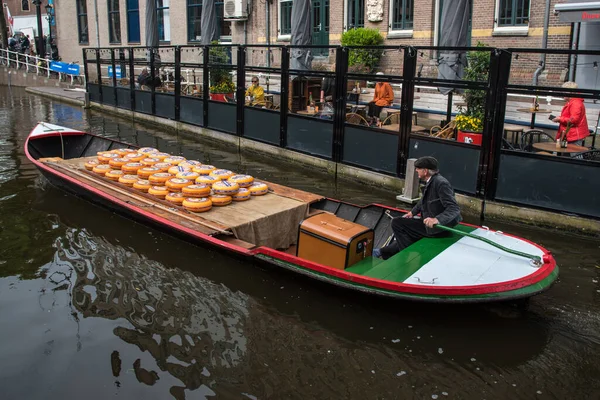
[{"x": 95, "y": 306}]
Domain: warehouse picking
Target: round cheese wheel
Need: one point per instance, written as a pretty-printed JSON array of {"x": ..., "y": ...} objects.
[
  {"x": 114, "y": 174},
  {"x": 135, "y": 157},
  {"x": 101, "y": 169},
  {"x": 123, "y": 152},
  {"x": 188, "y": 175},
  {"x": 220, "y": 200},
  {"x": 142, "y": 185},
  {"x": 174, "y": 160},
  {"x": 242, "y": 195},
  {"x": 197, "y": 204},
  {"x": 150, "y": 161},
  {"x": 176, "y": 184},
  {"x": 89, "y": 165},
  {"x": 145, "y": 172},
  {"x": 117, "y": 163},
  {"x": 222, "y": 174},
  {"x": 159, "y": 178},
  {"x": 158, "y": 191},
  {"x": 132, "y": 167},
  {"x": 242, "y": 180},
  {"x": 177, "y": 169},
  {"x": 258, "y": 189},
  {"x": 176, "y": 198},
  {"x": 128, "y": 180},
  {"x": 225, "y": 187},
  {"x": 164, "y": 166},
  {"x": 196, "y": 190},
  {"x": 106, "y": 156},
  {"x": 206, "y": 180},
  {"x": 204, "y": 169},
  {"x": 147, "y": 150},
  {"x": 160, "y": 156}
]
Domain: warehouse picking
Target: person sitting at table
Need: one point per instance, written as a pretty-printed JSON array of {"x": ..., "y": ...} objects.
[
  {"x": 328, "y": 87},
  {"x": 256, "y": 94},
  {"x": 383, "y": 97},
  {"x": 573, "y": 113}
]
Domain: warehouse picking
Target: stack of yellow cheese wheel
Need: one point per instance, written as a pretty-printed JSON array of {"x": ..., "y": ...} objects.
[
  {"x": 132, "y": 167},
  {"x": 222, "y": 174},
  {"x": 135, "y": 157},
  {"x": 196, "y": 190},
  {"x": 158, "y": 191},
  {"x": 258, "y": 189},
  {"x": 174, "y": 160},
  {"x": 160, "y": 156},
  {"x": 197, "y": 204},
  {"x": 164, "y": 166},
  {"x": 142, "y": 185},
  {"x": 242, "y": 195},
  {"x": 242, "y": 180},
  {"x": 105, "y": 156},
  {"x": 89, "y": 165},
  {"x": 147, "y": 150},
  {"x": 101, "y": 169},
  {"x": 176, "y": 184},
  {"x": 114, "y": 174},
  {"x": 177, "y": 169},
  {"x": 150, "y": 161},
  {"x": 128, "y": 180},
  {"x": 175, "y": 197},
  {"x": 206, "y": 180},
  {"x": 159, "y": 178},
  {"x": 144, "y": 173},
  {"x": 203, "y": 169},
  {"x": 123, "y": 152},
  {"x": 118, "y": 162},
  {"x": 188, "y": 175},
  {"x": 225, "y": 187},
  {"x": 220, "y": 199}
]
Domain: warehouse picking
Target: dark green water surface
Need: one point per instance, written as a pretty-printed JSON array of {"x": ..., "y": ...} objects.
[{"x": 95, "y": 306}]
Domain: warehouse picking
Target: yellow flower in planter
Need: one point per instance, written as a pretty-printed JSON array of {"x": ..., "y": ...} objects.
[{"x": 468, "y": 123}]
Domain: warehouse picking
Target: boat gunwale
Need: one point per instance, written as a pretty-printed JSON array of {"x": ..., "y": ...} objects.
[{"x": 400, "y": 287}]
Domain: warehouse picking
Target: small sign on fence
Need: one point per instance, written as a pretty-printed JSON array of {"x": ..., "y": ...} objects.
[
  {"x": 110, "y": 71},
  {"x": 65, "y": 68}
]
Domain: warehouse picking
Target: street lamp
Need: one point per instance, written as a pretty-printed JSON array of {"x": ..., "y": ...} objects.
[
  {"x": 40, "y": 42},
  {"x": 50, "y": 18}
]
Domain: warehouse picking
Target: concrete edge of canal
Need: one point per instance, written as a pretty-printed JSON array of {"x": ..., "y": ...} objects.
[{"x": 469, "y": 205}]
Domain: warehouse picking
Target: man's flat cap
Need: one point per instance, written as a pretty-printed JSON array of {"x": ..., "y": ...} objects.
[{"x": 427, "y": 163}]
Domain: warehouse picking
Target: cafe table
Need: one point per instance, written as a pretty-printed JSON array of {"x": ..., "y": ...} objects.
[
  {"x": 533, "y": 112},
  {"x": 307, "y": 113},
  {"x": 551, "y": 148}
]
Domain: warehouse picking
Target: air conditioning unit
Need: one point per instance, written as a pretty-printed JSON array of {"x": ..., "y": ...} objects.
[{"x": 235, "y": 9}]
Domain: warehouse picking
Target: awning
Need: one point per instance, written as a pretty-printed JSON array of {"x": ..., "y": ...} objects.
[{"x": 578, "y": 11}]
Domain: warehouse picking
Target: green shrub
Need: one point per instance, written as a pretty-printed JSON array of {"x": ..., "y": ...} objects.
[
  {"x": 220, "y": 78},
  {"x": 477, "y": 70},
  {"x": 363, "y": 37}
]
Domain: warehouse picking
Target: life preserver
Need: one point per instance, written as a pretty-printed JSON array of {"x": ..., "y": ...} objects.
[
  {"x": 190, "y": 164},
  {"x": 147, "y": 150},
  {"x": 258, "y": 189},
  {"x": 132, "y": 167},
  {"x": 142, "y": 185},
  {"x": 220, "y": 200},
  {"x": 160, "y": 156},
  {"x": 128, "y": 180},
  {"x": 242, "y": 180},
  {"x": 164, "y": 166},
  {"x": 204, "y": 169},
  {"x": 206, "y": 180},
  {"x": 150, "y": 161},
  {"x": 89, "y": 165},
  {"x": 188, "y": 175},
  {"x": 197, "y": 204},
  {"x": 135, "y": 157},
  {"x": 117, "y": 163},
  {"x": 196, "y": 190},
  {"x": 225, "y": 187},
  {"x": 174, "y": 160},
  {"x": 105, "y": 157},
  {"x": 145, "y": 172},
  {"x": 222, "y": 174},
  {"x": 242, "y": 195},
  {"x": 175, "y": 197},
  {"x": 114, "y": 174},
  {"x": 101, "y": 169},
  {"x": 158, "y": 191},
  {"x": 177, "y": 169},
  {"x": 122, "y": 152},
  {"x": 176, "y": 184},
  {"x": 159, "y": 178}
]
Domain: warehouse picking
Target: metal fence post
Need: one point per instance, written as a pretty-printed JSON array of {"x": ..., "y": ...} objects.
[
  {"x": 406, "y": 107},
  {"x": 240, "y": 90},
  {"x": 99, "y": 72},
  {"x": 493, "y": 128},
  {"x": 205, "y": 85},
  {"x": 177, "y": 82},
  {"x": 85, "y": 70},
  {"x": 132, "y": 78},
  {"x": 284, "y": 97},
  {"x": 152, "y": 87},
  {"x": 114, "y": 77},
  {"x": 339, "y": 116}
]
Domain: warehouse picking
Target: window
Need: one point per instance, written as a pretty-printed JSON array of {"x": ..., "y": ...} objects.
[
  {"x": 114, "y": 21},
  {"x": 223, "y": 25},
  {"x": 194, "y": 14},
  {"x": 401, "y": 15},
  {"x": 133, "y": 21},
  {"x": 355, "y": 14},
  {"x": 25, "y": 5},
  {"x": 82, "y": 21},
  {"x": 285, "y": 17},
  {"x": 164, "y": 20},
  {"x": 512, "y": 13}
]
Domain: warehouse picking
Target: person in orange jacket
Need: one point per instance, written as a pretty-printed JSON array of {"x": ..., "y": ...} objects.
[
  {"x": 384, "y": 97},
  {"x": 574, "y": 113}
]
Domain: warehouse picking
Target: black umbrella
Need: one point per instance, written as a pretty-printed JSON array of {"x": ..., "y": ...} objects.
[
  {"x": 208, "y": 22},
  {"x": 454, "y": 25},
  {"x": 301, "y": 35}
]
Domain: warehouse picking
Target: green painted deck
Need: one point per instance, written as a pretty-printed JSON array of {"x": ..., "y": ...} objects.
[{"x": 402, "y": 265}]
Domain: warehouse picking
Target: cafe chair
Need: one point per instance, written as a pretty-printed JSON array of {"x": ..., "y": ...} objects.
[
  {"x": 534, "y": 136},
  {"x": 356, "y": 119},
  {"x": 391, "y": 119},
  {"x": 592, "y": 155},
  {"x": 447, "y": 132},
  {"x": 506, "y": 145}
]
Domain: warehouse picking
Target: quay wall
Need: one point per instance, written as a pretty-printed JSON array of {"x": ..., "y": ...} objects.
[{"x": 21, "y": 78}]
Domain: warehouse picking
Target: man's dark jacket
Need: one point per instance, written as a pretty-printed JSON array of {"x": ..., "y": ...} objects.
[{"x": 438, "y": 201}]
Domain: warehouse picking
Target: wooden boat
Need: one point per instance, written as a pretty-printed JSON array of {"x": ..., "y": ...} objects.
[{"x": 473, "y": 264}]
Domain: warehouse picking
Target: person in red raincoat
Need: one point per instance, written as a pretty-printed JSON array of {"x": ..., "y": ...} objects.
[{"x": 573, "y": 112}]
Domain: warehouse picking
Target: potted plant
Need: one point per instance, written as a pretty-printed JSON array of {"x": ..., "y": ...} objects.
[
  {"x": 469, "y": 121},
  {"x": 221, "y": 83},
  {"x": 362, "y": 61}
]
